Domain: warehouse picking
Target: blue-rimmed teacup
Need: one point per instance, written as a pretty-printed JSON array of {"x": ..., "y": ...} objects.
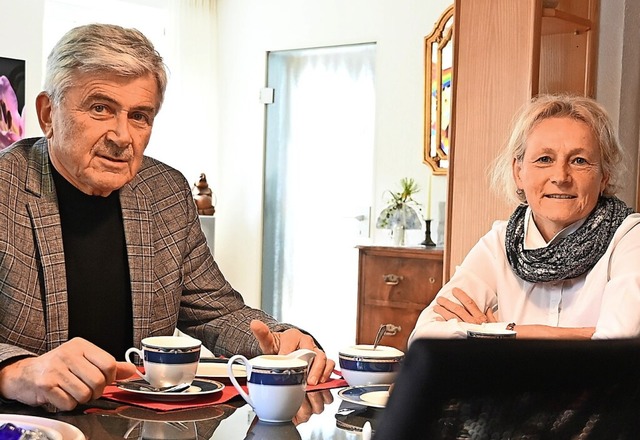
[
  {"x": 168, "y": 360},
  {"x": 366, "y": 365},
  {"x": 276, "y": 384}
]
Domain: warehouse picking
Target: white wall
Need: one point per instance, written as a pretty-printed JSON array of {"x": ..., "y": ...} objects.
[
  {"x": 248, "y": 29},
  {"x": 182, "y": 130},
  {"x": 618, "y": 86}
]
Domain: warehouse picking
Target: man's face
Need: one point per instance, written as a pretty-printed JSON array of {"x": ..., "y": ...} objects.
[{"x": 98, "y": 133}]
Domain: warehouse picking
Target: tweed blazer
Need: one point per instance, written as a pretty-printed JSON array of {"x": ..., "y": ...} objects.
[{"x": 174, "y": 279}]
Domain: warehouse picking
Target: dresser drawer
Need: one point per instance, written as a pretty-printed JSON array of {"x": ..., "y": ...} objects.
[
  {"x": 406, "y": 283},
  {"x": 395, "y": 285},
  {"x": 374, "y": 316}
]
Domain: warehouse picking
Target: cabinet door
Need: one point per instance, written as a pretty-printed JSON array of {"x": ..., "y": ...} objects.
[{"x": 495, "y": 72}]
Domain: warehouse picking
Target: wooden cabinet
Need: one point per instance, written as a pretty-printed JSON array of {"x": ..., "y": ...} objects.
[
  {"x": 395, "y": 284},
  {"x": 505, "y": 52}
]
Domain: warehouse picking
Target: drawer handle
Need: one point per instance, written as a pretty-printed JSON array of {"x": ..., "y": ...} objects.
[
  {"x": 392, "y": 279},
  {"x": 386, "y": 330},
  {"x": 432, "y": 280}
]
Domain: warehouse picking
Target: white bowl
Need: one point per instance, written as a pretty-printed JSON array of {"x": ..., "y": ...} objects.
[{"x": 362, "y": 365}]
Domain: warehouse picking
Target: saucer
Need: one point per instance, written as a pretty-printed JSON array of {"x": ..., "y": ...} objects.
[
  {"x": 198, "y": 388},
  {"x": 55, "y": 429},
  {"x": 352, "y": 417},
  {"x": 374, "y": 396},
  {"x": 502, "y": 334},
  {"x": 489, "y": 330},
  {"x": 139, "y": 413},
  {"x": 378, "y": 398}
]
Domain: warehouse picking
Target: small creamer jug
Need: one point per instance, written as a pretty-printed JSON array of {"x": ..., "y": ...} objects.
[{"x": 276, "y": 383}]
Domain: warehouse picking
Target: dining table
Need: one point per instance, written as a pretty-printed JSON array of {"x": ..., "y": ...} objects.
[{"x": 323, "y": 415}]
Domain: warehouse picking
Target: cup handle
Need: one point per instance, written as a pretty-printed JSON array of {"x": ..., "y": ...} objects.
[
  {"x": 139, "y": 353},
  {"x": 234, "y": 381},
  {"x": 131, "y": 428}
]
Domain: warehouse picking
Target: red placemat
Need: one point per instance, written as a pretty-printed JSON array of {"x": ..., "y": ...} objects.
[{"x": 112, "y": 392}]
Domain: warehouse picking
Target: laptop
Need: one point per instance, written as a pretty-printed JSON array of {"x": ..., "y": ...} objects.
[{"x": 519, "y": 389}]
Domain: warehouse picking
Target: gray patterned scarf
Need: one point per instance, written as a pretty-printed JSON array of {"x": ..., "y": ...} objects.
[{"x": 570, "y": 256}]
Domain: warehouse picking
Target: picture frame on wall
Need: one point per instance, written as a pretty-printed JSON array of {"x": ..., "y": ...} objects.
[{"x": 12, "y": 100}]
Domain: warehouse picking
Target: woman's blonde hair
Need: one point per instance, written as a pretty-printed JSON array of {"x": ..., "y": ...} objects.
[{"x": 558, "y": 106}]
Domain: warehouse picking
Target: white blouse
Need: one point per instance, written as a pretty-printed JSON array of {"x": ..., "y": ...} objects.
[{"x": 607, "y": 297}]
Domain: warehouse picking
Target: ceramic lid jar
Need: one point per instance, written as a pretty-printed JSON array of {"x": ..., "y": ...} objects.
[
  {"x": 368, "y": 353},
  {"x": 366, "y": 365}
]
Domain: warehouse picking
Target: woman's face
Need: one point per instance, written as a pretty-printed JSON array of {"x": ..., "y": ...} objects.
[{"x": 560, "y": 173}]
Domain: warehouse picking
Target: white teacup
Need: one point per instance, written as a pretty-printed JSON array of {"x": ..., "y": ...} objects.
[
  {"x": 168, "y": 360},
  {"x": 364, "y": 365},
  {"x": 276, "y": 383}
]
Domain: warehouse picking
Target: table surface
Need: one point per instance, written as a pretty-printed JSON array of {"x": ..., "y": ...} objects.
[{"x": 104, "y": 420}]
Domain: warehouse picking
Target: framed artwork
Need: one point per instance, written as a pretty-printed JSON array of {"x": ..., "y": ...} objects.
[
  {"x": 438, "y": 88},
  {"x": 12, "y": 97}
]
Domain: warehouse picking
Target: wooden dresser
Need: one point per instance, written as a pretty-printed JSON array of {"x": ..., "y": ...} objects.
[{"x": 394, "y": 285}]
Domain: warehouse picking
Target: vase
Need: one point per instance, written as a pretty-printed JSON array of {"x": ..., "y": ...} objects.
[{"x": 397, "y": 235}]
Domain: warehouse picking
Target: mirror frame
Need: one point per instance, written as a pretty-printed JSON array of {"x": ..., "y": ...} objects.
[{"x": 437, "y": 42}]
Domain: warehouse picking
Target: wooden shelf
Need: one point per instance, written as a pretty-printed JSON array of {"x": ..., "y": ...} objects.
[{"x": 555, "y": 21}]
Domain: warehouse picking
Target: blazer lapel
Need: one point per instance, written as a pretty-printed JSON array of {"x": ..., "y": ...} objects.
[
  {"x": 45, "y": 218},
  {"x": 136, "y": 216}
]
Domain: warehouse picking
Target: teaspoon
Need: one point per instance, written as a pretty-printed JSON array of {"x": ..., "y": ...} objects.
[{"x": 139, "y": 386}]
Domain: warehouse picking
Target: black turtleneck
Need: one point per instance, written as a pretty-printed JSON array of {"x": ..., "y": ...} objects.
[{"x": 98, "y": 284}]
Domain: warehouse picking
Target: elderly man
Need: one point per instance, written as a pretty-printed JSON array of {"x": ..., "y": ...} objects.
[{"x": 101, "y": 246}]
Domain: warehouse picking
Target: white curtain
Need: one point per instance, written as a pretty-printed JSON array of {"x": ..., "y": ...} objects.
[{"x": 319, "y": 173}]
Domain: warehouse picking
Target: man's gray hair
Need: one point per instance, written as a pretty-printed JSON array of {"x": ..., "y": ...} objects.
[{"x": 102, "y": 48}]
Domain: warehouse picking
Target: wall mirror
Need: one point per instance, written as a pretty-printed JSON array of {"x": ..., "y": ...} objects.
[{"x": 437, "y": 90}]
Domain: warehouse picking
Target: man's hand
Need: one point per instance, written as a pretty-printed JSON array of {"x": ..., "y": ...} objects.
[
  {"x": 290, "y": 340},
  {"x": 75, "y": 372},
  {"x": 466, "y": 311},
  {"x": 313, "y": 403}
]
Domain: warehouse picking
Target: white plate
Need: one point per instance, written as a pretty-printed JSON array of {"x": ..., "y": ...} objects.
[
  {"x": 376, "y": 398},
  {"x": 55, "y": 429},
  {"x": 366, "y": 395},
  {"x": 489, "y": 330},
  {"x": 219, "y": 370},
  {"x": 198, "y": 388}
]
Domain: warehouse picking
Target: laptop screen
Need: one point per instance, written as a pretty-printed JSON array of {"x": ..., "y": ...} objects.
[{"x": 524, "y": 389}]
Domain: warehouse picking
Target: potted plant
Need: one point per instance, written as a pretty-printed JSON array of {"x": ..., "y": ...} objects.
[{"x": 401, "y": 212}]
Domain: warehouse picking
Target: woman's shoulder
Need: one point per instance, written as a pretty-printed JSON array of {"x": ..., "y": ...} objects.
[
  {"x": 497, "y": 232},
  {"x": 630, "y": 223},
  {"x": 492, "y": 242},
  {"x": 499, "y": 226}
]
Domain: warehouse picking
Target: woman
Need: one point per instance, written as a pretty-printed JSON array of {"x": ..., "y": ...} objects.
[{"x": 565, "y": 265}]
